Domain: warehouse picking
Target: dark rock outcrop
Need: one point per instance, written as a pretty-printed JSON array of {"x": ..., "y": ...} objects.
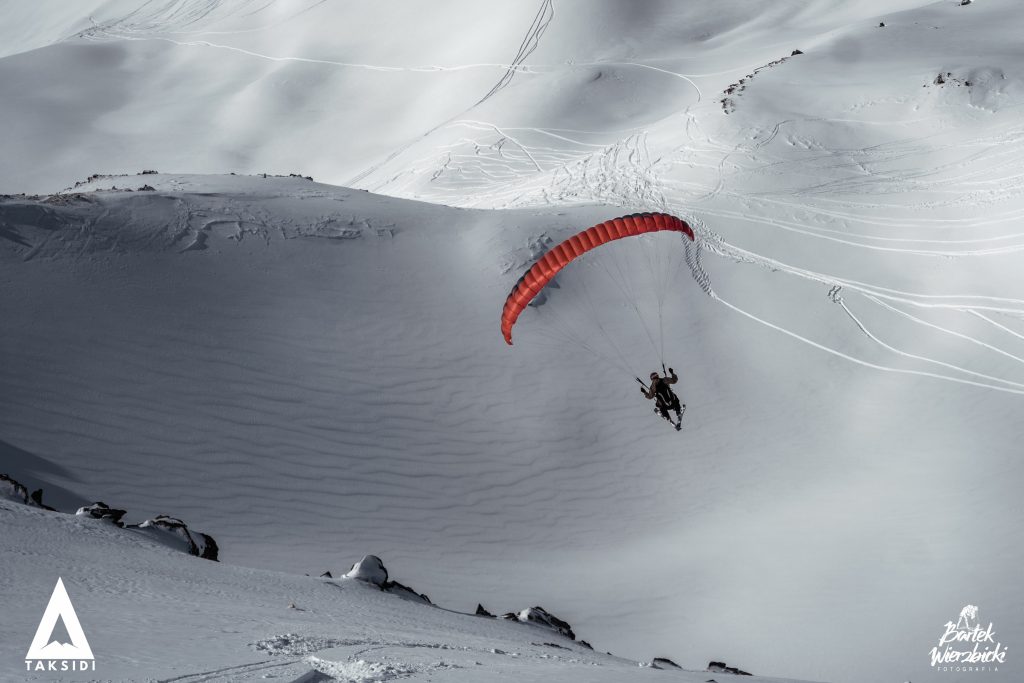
[
  {"x": 11, "y": 489},
  {"x": 722, "y": 668},
  {"x": 37, "y": 499},
  {"x": 541, "y": 617},
  {"x": 664, "y": 663},
  {"x": 405, "y": 592},
  {"x": 736, "y": 89},
  {"x": 194, "y": 542},
  {"x": 372, "y": 570},
  {"x": 100, "y": 510},
  {"x": 481, "y": 612},
  {"x": 167, "y": 530}
]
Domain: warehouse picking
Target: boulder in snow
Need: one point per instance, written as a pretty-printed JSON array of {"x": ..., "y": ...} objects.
[
  {"x": 664, "y": 663},
  {"x": 175, "y": 533},
  {"x": 100, "y": 510},
  {"x": 481, "y": 612},
  {"x": 36, "y": 498},
  {"x": 371, "y": 570},
  {"x": 722, "y": 668},
  {"x": 541, "y": 617}
]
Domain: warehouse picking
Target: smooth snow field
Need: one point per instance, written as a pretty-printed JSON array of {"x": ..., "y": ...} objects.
[{"x": 310, "y": 369}]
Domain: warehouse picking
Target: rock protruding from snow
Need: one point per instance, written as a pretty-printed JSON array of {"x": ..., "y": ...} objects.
[
  {"x": 541, "y": 617},
  {"x": 664, "y": 663},
  {"x": 175, "y": 533},
  {"x": 13, "y": 490},
  {"x": 167, "y": 530},
  {"x": 36, "y": 498},
  {"x": 100, "y": 510},
  {"x": 406, "y": 592},
  {"x": 371, "y": 570},
  {"x": 482, "y": 612},
  {"x": 722, "y": 668}
]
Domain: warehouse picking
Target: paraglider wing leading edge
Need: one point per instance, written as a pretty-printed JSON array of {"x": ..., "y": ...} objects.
[{"x": 547, "y": 266}]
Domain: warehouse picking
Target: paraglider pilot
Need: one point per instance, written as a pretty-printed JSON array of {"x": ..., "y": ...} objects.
[{"x": 665, "y": 399}]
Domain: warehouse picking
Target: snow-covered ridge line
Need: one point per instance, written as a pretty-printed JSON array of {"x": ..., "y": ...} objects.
[
  {"x": 169, "y": 531},
  {"x": 101, "y": 214},
  {"x": 296, "y": 627}
]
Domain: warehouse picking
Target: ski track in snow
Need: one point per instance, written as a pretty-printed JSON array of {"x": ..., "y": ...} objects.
[{"x": 228, "y": 673}]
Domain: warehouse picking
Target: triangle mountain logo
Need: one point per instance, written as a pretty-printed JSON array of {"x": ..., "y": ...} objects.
[{"x": 52, "y": 642}]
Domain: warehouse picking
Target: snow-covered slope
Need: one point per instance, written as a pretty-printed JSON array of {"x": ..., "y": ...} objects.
[
  {"x": 149, "y": 613},
  {"x": 451, "y": 100},
  {"x": 312, "y": 373},
  {"x": 299, "y": 369}
]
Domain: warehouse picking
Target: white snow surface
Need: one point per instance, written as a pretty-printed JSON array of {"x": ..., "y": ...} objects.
[
  {"x": 153, "y": 614},
  {"x": 311, "y": 372}
]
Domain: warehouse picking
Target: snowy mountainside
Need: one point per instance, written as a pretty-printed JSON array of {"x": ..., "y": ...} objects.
[
  {"x": 298, "y": 367},
  {"x": 150, "y": 613},
  {"x": 324, "y": 370},
  {"x": 450, "y": 102}
]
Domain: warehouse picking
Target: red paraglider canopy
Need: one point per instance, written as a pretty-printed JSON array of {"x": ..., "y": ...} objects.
[{"x": 559, "y": 256}]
